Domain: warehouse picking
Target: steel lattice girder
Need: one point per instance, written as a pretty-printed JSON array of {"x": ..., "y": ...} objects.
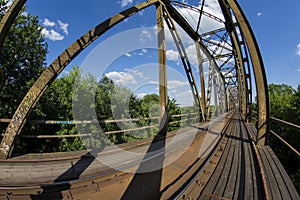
[
  {"x": 231, "y": 6},
  {"x": 228, "y": 6}
]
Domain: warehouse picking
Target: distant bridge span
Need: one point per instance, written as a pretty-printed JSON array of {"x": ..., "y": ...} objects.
[{"x": 232, "y": 167}]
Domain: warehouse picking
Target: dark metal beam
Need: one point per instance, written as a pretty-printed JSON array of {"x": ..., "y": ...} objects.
[
  {"x": 202, "y": 81},
  {"x": 194, "y": 35},
  {"x": 162, "y": 65},
  {"x": 213, "y": 32},
  {"x": 184, "y": 59},
  {"x": 200, "y": 16}
]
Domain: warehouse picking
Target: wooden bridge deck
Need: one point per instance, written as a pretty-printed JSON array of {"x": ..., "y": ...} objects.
[
  {"x": 220, "y": 161},
  {"x": 243, "y": 171}
]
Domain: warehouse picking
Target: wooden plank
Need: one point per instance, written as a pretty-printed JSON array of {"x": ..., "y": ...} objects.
[
  {"x": 249, "y": 184},
  {"x": 279, "y": 179},
  {"x": 209, "y": 190},
  {"x": 238, "y": 194},
  {"x": 221, "y": 184},
  {"x": 232, "y": 180},
  {"x": 19, "y": 198},
  {"x": 272, "y": 186},
  {"x": 257, "y": 188},
  {"x": 252, "y": 131},
  {"x": 290, "y": 186}
]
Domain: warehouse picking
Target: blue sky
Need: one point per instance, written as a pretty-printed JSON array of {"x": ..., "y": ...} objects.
[{"x": 276, "y": 26}]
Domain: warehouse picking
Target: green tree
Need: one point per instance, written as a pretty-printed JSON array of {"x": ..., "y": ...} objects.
[
  {"x": 282, "y": 101},
  {"x": 22, "y": 59},
  {"x": 55, "y": 104},
  {"x": 285, "y": 105}
]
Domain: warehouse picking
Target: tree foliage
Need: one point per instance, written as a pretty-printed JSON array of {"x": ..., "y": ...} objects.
[
  {"x": 22, "y": 59},
  {"x": 107, "y": 100},
  {"x": 285, "y": 105}
]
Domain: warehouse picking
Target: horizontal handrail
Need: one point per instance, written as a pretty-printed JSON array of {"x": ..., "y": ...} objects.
[
  {"x": 91, "y": 121},
  {"x": 285, "y": 123},
  {"x": 51, "y": 122},
  {"x": 183, "y": 120},
  {"x": 89, "y": 134},
  {"x": 183, "y": 115},
  {"x": 286, "y": 143},
  {"x": 86, "y": 134}
]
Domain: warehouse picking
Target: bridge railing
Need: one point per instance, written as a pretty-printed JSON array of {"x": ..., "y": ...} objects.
[
  {"x": 254, "y": 120},
  {"x": 288, "y": 124},
  {"x": 173, "y": 120}
]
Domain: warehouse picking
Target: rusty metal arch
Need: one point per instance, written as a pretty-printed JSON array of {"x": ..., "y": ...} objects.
[
  {"x": 55, "y": 68},
  {"x": 50, "y": 73},
  {"x": 231, "y": 8},
  {"x": 9, "y": 19}
]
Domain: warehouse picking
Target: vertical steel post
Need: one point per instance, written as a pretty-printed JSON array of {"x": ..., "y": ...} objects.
[
  {"x": 202, "y": 82},
  {"x": 215, "y": 95},
  {"x": 209, "y": 87},
  {"x": 162, "y": 61}
]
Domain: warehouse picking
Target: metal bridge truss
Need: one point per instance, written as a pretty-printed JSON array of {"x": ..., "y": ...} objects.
[{"x": 230, "y": 52}]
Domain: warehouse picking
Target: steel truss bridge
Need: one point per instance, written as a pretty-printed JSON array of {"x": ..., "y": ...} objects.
[{"x": 222, "y": 156}]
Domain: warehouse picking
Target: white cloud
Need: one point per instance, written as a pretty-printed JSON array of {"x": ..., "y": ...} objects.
[
  {"x": 172, "y": 55},
  {"x": 125, "y": 3},
  {"x": 10, "y": 2},
  {"x": 145, "y": 35},
  {"x": 185, "y": 93},
  {"x": 259, "y": 13},
  {"x": 192, "y": 54},
  {"x": 141, "y": 95},
  {"x": 141, "y": 13},
  {"x": 127, "y": 54},
  {"x": 47, "y": 22},
  {"x": 63, "y": 26},
  {"x": 298, "y": 70},
  {"x": 135, "y": 72},
  {"x": 52, "y": 34},
  {"x": 140, "y": 52},
  {"x": 57, "y": 29},
  {"x": 172, "y": 84},
  {"x": 298, "y": 49},
  {"x": 121, "y": 78},
  {"x": 153, "y": 82}
]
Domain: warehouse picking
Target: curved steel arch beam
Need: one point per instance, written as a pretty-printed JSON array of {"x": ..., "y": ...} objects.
[
  {"x": 257, "y": 64},
  {"x": 9, "y": 19},
  {"x": 56, "y": 67}
]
